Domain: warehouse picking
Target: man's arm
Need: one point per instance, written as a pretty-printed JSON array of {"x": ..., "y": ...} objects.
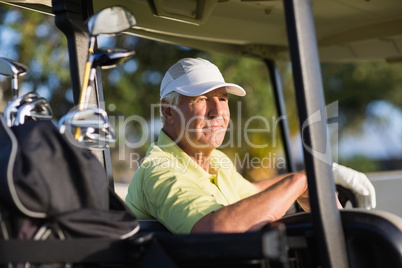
[
  {"x": 261, "y": 185},
  {"x": 271, "y": 203}
]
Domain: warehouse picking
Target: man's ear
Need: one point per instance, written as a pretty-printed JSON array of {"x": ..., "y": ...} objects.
[{"x": 167, "y": 112}]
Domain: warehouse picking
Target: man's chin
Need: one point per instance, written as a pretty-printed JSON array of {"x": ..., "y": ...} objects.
[{"x": 216, "y": 143}]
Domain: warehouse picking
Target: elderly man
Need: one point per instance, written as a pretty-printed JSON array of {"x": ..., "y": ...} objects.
[{"x": 188, "y": 185}]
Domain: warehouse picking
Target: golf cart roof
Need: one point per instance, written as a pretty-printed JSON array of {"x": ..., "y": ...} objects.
[{"x": 346, "y": 30}]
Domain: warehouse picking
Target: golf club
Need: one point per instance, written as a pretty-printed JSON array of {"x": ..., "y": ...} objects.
[
  {"x": 93, "y": 138},
  {"x": 14, "y": 69},
  {"x": 11, "y": 109},
  {"x": 105, "y": 59},
  {"x": 96, "y": 132},
  {"x": 37, "y": 109},
  {"x": 108, "y": 21},
  {"x": 109, "y": 58},
  {"x": 28, "y": 105}
]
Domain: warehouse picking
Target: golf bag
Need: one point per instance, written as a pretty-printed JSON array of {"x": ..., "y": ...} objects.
[{"x": 51, "y": 189}]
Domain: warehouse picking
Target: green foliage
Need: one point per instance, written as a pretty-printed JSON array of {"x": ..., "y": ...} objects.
[
  {"x": 357, "y": 85},
  {"x": 38, "y": 45},
  {"x": 362, "y": 163}
]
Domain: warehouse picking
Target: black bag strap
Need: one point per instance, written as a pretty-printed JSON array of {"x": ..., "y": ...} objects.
[{"x": 8, "y": 152}]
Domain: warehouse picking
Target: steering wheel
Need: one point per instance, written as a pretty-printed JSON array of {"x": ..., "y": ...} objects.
[{"x": 346, "y": 196}]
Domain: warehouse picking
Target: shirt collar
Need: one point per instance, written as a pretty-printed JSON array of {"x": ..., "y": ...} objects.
[{"x": 169, "y": 146}]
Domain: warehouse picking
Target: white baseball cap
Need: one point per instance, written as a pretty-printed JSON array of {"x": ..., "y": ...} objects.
[{"x": 194, "y": 77}]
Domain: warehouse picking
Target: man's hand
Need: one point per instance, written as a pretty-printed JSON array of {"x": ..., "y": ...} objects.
[
  {"x": 357, "y": 182},
  {"x": 304, "y": 201}
]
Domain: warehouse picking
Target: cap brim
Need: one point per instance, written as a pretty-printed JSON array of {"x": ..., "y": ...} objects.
[{"x": 203, "y": 88}]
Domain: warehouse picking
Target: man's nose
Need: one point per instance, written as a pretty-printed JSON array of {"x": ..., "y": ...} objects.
[{"x": 216, "y": 108}]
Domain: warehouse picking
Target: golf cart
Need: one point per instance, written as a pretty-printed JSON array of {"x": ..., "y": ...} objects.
[{"x": 326, "y": 237}]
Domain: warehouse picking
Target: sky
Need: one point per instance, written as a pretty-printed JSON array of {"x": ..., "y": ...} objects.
[{"x": 379, "y": 140}]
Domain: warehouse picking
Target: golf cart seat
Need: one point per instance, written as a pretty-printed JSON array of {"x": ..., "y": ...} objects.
[{"x": 373, "y": 238}]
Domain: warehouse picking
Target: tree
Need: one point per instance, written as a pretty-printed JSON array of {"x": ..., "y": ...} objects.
[
  {"x": 35, "y": 42},
  {"x": 358, "y": 85}
]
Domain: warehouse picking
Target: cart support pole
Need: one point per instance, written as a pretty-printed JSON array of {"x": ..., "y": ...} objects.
[
  {"x": 281, "y": 111},
  {"x": 312, "y": 118},
  {"x": 70, "y": 16}
]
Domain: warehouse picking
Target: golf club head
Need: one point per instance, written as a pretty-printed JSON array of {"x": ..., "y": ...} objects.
[
  {"x": 109, "y": 58},
  {"x": 105, "y": 59},
  {"x": 97, "y": 138},
  {"x": 12, "y": 68},
  {"x": 95, "y": 130},
  {"x": 10, "y": 112},
  {"x": 110, "y": 21},
  {"x": 38, "y": 109},
  {"x": 90, "y": 117}
]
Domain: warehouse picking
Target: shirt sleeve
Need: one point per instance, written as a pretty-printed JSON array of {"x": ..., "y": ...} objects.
[
  {"x": 239, "y": 184},
  {"x": 243, "y": 187},
  {"x": 171, "y": 197}
]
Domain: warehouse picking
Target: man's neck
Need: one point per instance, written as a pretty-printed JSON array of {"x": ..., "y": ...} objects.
[
  {"x": 200, "y": 156},
  {"x": 202, "y": 160}
]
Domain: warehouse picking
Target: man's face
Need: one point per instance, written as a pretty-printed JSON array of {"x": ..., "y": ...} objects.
[{"x": 205, "y": 120}]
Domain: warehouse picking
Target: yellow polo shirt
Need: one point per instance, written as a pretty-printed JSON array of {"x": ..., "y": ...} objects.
[{"x": 172, "y": 188}]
